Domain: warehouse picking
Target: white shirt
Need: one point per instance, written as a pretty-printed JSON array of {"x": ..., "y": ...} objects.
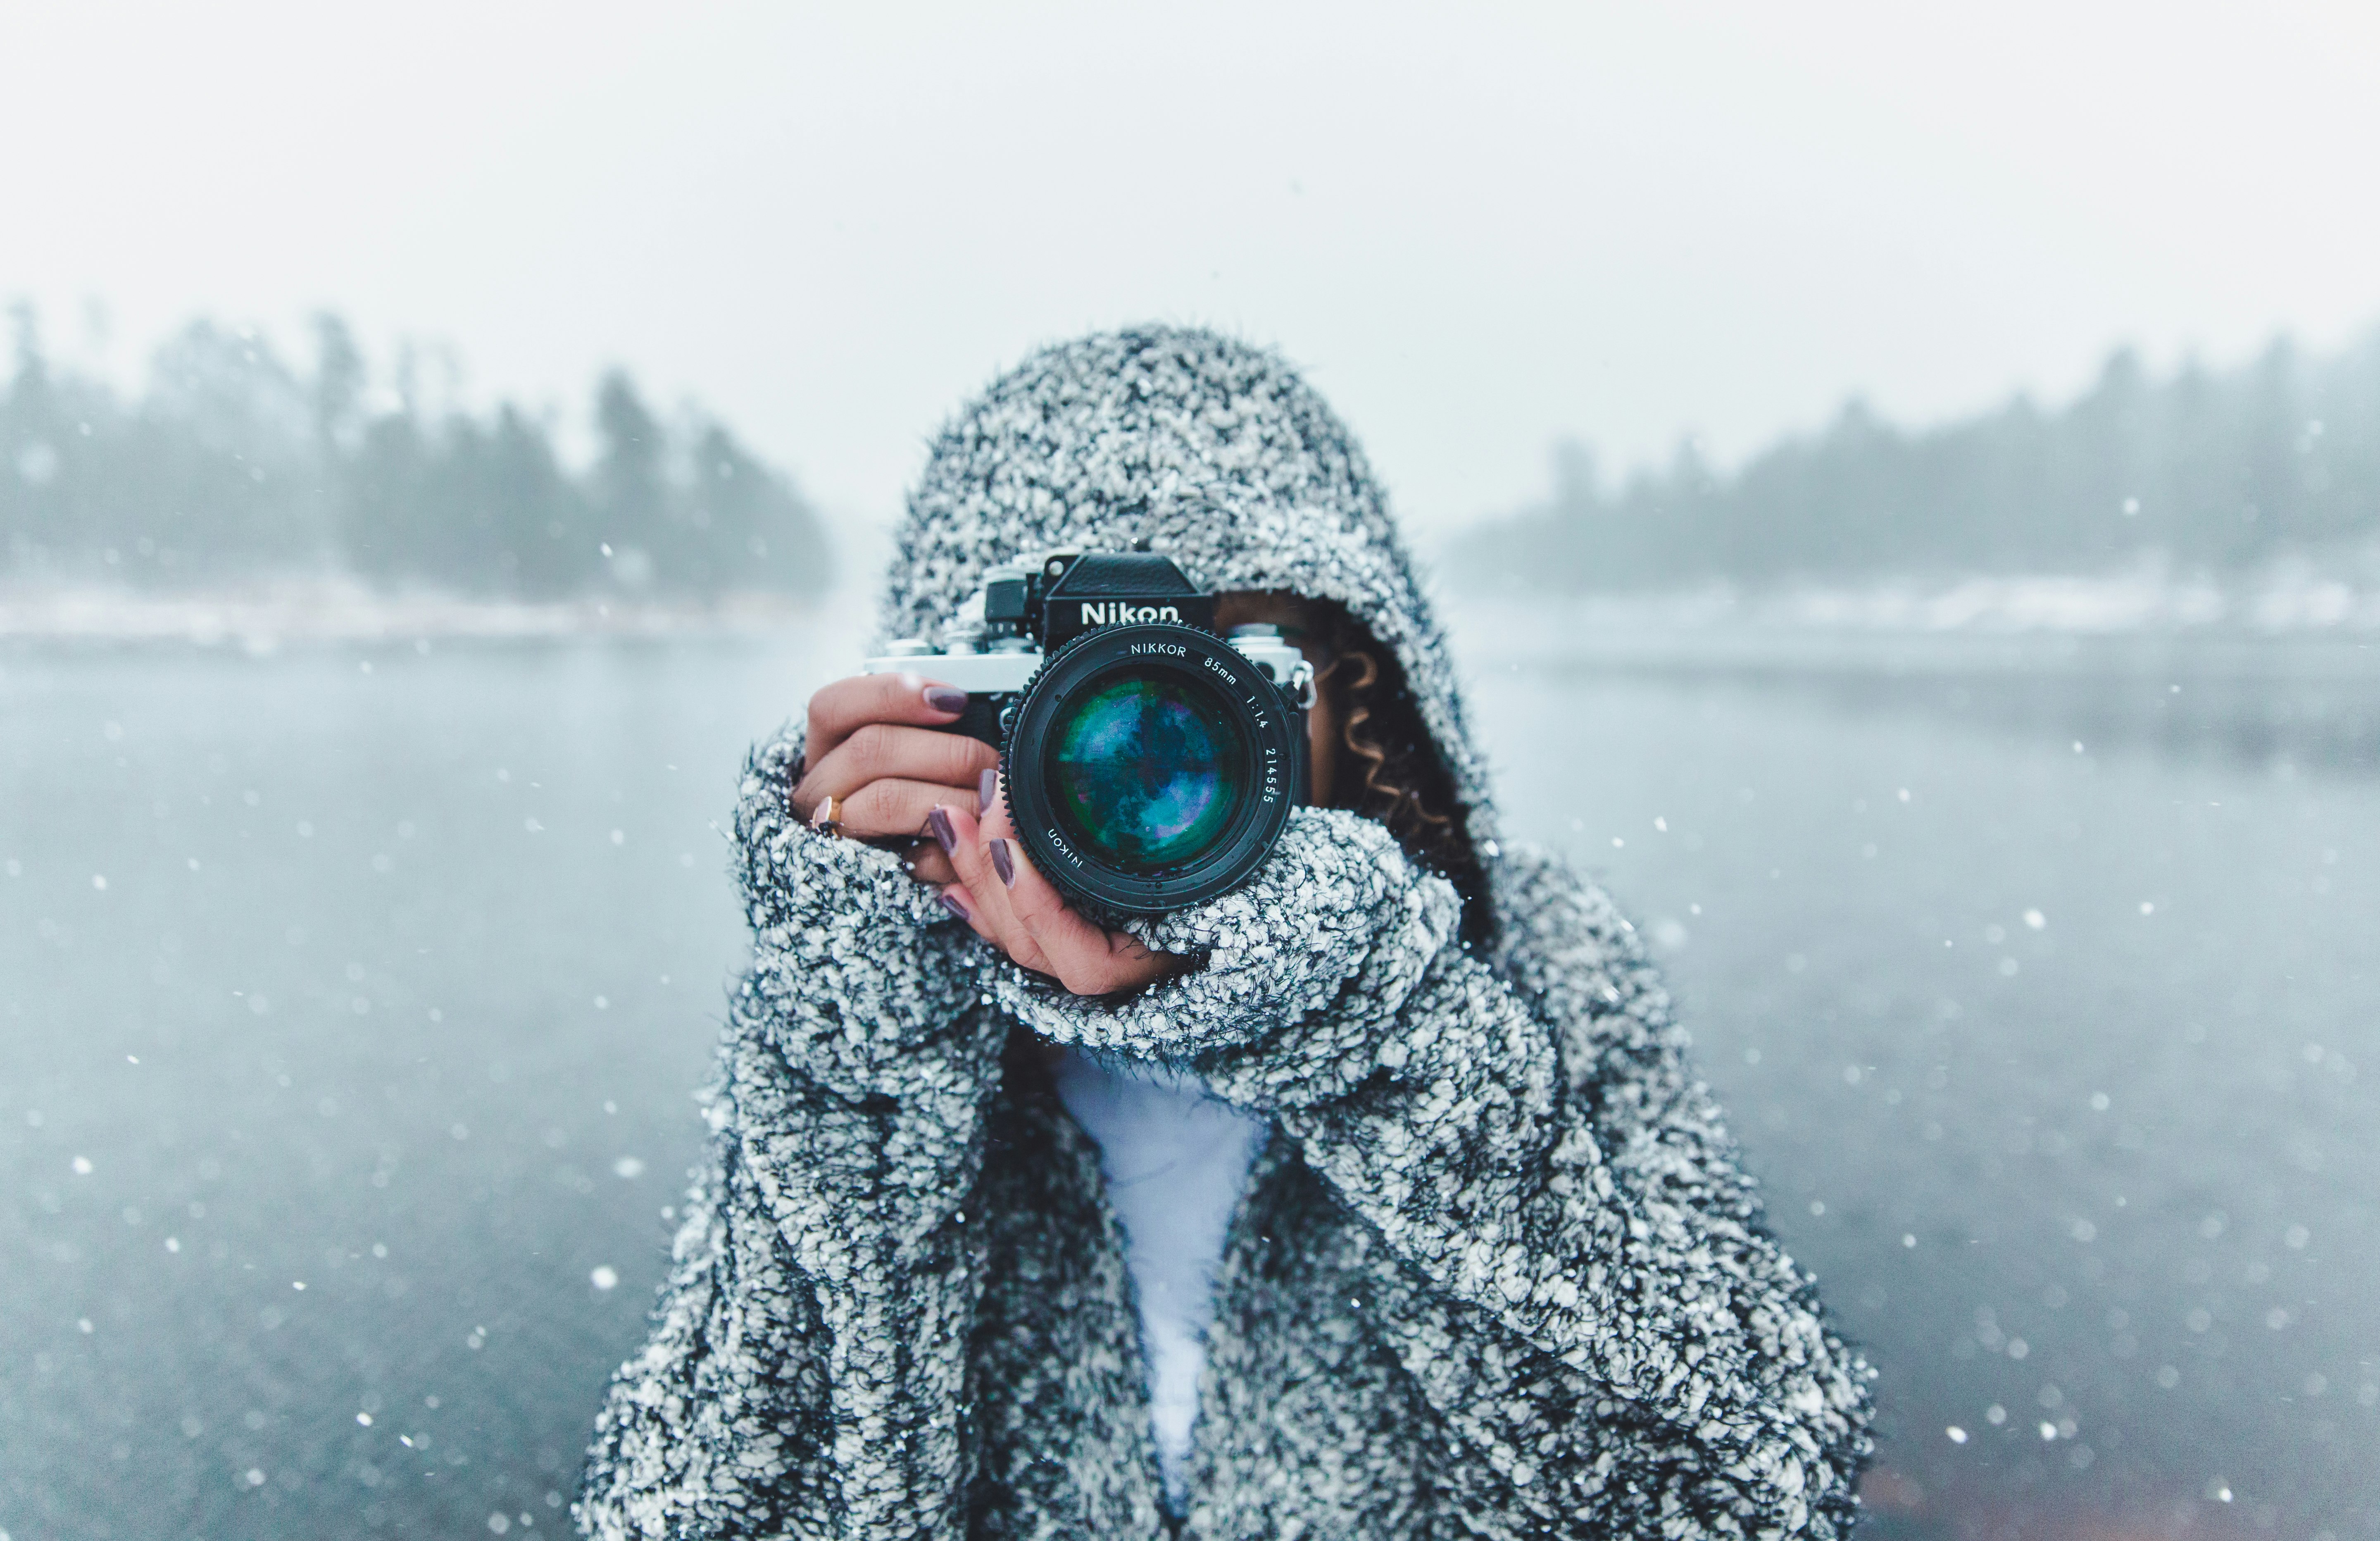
[{"x": 1176, "y": 1160}]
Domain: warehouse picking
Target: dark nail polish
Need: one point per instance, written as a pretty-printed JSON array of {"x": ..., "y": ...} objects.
[
  {"x": 986, "y": 787},
  {"x": 939, "y": 823},
  {"x": 1002, "y": 864},
  {"x": 951, "y": 903},
  {"x": 941, "y": 698}
]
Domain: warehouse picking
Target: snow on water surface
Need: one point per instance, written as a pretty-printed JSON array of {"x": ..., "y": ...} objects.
[{"x": 2058, "y": 1061}]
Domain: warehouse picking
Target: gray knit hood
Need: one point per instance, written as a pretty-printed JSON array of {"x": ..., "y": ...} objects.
[{"x": 1214, "y": 452}]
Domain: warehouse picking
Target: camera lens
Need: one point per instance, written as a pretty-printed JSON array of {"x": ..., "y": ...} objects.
[
  {"x": 1147, "y": 770},
  {"x": 1149, "y": 766}
]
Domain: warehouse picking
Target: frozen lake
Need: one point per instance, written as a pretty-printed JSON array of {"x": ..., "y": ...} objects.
[{"x": 350, "y": 1000}]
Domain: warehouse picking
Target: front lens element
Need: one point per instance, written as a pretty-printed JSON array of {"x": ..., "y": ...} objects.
[{"x": 1147, "y": 771}]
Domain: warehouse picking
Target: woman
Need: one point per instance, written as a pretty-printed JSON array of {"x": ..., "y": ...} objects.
[{"x": 1484, "y": 1264}]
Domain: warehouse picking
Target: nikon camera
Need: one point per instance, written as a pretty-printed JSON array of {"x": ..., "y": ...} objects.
[{"x": 1149, "y": 763}]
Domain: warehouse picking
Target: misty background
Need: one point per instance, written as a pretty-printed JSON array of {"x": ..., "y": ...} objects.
[
  {"x": 2213, "y": 471},
  {"x": 1903, "y": 483},
  {"x": 231, "y": 465}
]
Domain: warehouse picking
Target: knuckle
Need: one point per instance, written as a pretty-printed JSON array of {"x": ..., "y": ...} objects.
[
  {"x": 870, "y": 747},
  {"x": 1095, "y": 980},
  {"x": 1083, "y": 973},
  {"x": 865, "y": 809},
  {"x": 832, "y": 703},
  {"x": 900, "y": 808},
  {"x": 954, "y": 756}
]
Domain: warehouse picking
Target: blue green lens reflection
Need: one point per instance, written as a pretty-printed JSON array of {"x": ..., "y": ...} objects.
[{"x": 1147, "y": 772}]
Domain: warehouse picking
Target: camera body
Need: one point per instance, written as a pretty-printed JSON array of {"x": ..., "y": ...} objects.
[{"x": 1147, "y": 763}]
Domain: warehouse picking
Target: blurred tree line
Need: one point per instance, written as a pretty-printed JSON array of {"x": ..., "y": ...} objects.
[
  {"x": 235, "y": 464},
  {"x": 2218, "y": 471}
]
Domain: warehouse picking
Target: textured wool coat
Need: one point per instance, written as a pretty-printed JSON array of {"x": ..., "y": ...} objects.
[{"x": 1496, "y": 1273}]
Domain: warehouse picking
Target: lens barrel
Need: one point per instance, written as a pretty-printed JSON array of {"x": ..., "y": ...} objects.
[{"x": 1150, "y": 766}]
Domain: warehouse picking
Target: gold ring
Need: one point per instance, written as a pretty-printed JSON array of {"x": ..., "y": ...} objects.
[{"x": 828, "y": 817}]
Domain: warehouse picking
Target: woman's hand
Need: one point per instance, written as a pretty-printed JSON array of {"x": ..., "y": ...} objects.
[
  {"x": 870, "y": 744},
  {"x": 1016, "y": 910}
]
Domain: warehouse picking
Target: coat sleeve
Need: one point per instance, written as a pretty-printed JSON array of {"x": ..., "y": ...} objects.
[
  {"x": 1568, "y": 1260},
  {"x": 805, "y": 1368}
]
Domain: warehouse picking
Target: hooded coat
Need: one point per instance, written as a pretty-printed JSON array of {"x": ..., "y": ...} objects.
[{"x": 1497, "y": 1271}]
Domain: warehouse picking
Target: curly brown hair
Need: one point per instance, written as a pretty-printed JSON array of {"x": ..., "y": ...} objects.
[{"x": 1390, "y": 768}]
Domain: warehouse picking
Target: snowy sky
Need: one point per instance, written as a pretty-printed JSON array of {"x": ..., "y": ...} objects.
[{"x": 1478, "y": 227}]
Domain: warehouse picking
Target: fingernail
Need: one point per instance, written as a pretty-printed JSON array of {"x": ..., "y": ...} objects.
[
  {"x": 951, "y": 903},
  {"x": 939, "y": 823},
  {"x": 1002, "y": 864},
  {"x": 941, "y": 698},
  {"x": 986, "y": 787}
]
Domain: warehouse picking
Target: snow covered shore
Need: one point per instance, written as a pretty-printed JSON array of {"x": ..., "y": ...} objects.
[
  {"x": 2043, "y": 615},
  {"x": 2284, "y": 601},
  {"x": 2286, "y": 622},
  {"x": 262, "y": 618}
]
